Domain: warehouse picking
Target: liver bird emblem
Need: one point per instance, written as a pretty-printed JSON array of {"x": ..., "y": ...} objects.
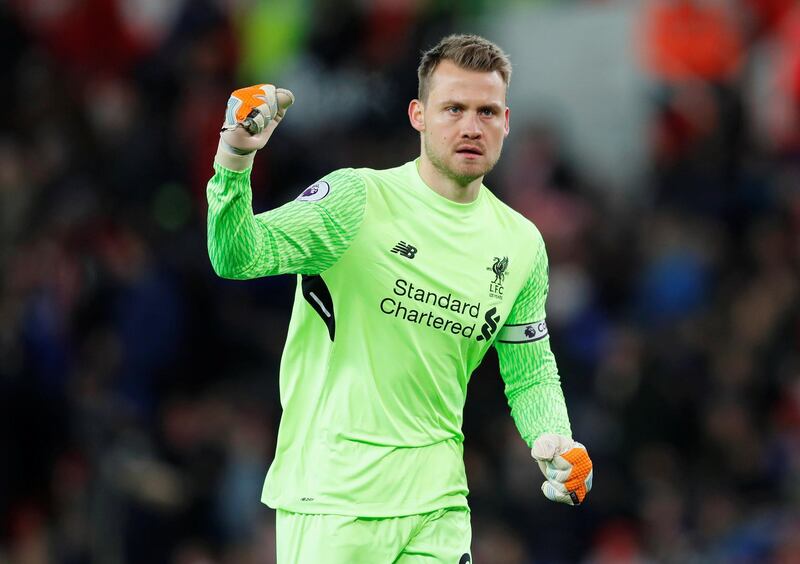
[{"x": 499, "y": 268}]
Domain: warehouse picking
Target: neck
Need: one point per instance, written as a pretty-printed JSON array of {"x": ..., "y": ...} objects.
[{"x": 446, "y": 186}]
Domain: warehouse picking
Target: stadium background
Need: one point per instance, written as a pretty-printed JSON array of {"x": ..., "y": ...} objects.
[{"x": 655, "y": 143}]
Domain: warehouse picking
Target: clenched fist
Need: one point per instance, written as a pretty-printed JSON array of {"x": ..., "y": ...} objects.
[
  {"x": 252, "y": 115},
  {"x": 566, "y": 466}
]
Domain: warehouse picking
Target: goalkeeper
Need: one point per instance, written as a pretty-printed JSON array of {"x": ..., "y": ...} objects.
[{"x": 406, "y": 277}]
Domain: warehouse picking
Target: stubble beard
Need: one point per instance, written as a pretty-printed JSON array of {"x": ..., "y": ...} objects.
[{"x": 461, "y": 178}]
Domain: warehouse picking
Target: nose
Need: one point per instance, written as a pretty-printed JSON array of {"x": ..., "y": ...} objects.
[{"x": 471, "y": 127}]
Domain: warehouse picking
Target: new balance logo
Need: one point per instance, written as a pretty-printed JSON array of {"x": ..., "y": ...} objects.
[{"x": 404, "y": 249}]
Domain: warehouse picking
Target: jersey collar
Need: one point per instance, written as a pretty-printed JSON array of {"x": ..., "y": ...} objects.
[{"x": 437, "y": 200}]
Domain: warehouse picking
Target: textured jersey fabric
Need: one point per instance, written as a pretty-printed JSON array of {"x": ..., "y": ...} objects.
[
  {"x": 401, "y": 292},
  {"x": 299, "y": 237}
]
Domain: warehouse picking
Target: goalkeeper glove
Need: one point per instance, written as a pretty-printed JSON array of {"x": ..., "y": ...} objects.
[
  {"x": 253, "y": 114},
  {"x": 566, "y": 466}
]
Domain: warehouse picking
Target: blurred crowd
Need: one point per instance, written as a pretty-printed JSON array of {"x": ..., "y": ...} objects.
[{"x": 139, "y": 391}]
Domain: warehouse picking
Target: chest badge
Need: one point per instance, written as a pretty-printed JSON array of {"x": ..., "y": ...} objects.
[
  {"x": 499, "y": 268},
  {"x": 405, "y": 249}
]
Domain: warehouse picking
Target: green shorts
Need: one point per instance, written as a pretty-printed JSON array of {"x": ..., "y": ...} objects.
[{"x": 439, "y": 536}]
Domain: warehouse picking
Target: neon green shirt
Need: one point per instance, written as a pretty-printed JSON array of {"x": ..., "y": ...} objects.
[{"x": 400, "y": 294}]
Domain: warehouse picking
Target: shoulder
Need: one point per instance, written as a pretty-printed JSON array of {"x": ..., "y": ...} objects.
[
  {"x": 353, "y": 184},
  {"x": 381, "y": 177},
  {"x": 343, "y": 176},
  {"x": 361, "y": 178},
  {"x": 520, "y": 226},
  {"x": 342, "y": 182}
]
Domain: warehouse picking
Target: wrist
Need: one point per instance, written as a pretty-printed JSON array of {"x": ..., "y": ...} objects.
[{"x": 232, "y": 158}]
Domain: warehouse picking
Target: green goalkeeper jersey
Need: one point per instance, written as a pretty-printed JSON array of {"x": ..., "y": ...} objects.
[{"x": 400, "y": 294}]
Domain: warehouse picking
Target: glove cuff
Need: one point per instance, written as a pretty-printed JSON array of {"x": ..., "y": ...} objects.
[
  {"x": 230, "y": 160},
  {"x": 549, "y": 445}
]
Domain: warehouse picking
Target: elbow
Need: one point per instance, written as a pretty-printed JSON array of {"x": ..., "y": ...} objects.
[
  {"x": 222, "y": 271},
  {"x": 227, "y": 269},
  {"x": 242, "y": 267},
  {"x": 226, "y": 274},
  {"x": 227, "y": 262}
]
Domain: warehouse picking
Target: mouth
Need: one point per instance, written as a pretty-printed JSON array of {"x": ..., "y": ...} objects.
[{"x": 469, "y": 151}]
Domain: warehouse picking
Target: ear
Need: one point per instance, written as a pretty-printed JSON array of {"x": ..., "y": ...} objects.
[
  {"x": 508, "y": 123},
  {"x": 416, "y": 115}
]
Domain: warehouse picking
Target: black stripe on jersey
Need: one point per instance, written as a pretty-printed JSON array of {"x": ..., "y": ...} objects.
[{"x": 316, "y": 293}]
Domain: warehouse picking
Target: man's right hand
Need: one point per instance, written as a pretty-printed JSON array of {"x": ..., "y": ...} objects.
[{"x": 252, "y": 115}]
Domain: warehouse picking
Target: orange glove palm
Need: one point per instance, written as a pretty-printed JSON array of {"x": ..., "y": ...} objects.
[{"x": 566, "y": 466}]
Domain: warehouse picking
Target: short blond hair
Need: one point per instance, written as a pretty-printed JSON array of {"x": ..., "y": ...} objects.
[{"x": 469, "y": 52}]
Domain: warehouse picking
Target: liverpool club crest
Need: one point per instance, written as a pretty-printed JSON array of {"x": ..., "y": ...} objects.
[{"x": 499, "y": 268}]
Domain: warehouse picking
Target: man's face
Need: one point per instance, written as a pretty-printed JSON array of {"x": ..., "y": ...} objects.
[{"x": 465, "y": 120}]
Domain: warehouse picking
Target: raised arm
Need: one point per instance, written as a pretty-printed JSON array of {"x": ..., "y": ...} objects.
[{"x": 306, "y": 235}]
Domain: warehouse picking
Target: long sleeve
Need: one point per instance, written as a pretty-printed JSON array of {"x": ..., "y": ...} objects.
[
  {"x": 527, "y": 365},
  {"x": 304, "y": 236}
]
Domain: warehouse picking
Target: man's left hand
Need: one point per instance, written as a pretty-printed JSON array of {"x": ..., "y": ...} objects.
[{"x": 566, "y": 466}]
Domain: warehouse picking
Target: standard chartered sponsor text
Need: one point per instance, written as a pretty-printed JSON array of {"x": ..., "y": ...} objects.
[{"x": 408, "y": 311}]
